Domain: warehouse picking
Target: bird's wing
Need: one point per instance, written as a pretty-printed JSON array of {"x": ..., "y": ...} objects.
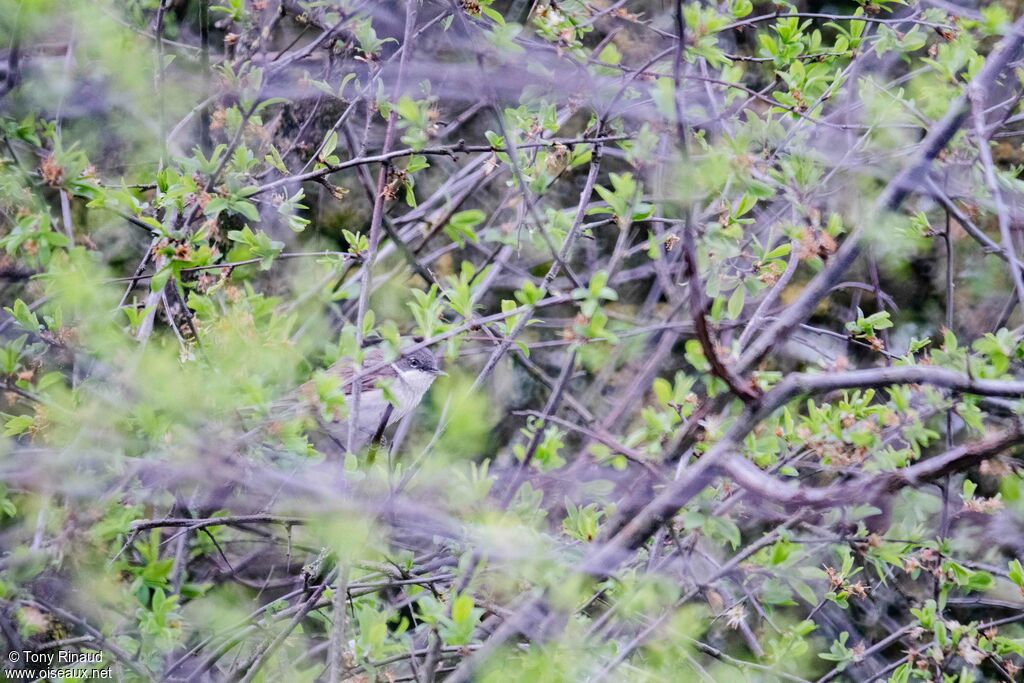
[
  {"x": 371, "y": 358},
  {"x": 301, "y": 398}
]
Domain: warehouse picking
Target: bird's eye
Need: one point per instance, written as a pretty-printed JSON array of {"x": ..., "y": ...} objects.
[{"x": 415, "y": 363}]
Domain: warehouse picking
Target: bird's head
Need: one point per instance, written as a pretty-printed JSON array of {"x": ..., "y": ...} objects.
[{"x": 418, "y": 367}]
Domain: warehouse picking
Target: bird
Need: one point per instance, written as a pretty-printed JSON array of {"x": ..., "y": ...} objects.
[
  {"x": 389, "y": 390},
  {"x": 391, "y": 386}
]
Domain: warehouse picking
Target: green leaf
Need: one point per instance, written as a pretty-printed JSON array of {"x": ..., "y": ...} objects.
[
  {"x": 610, "y": 54},
  {"x": 461, "y": 226},
  {"x": 417, "y": 162},
  {"x": 663, "y": 390},
  {"x": 23, "y": 316},
  {"x": 1017, "y": 573},
  {"x": 329, "y": 145},
  {"x": 979, "y": 581},
  {"x": 779, "y": 252},
  {"x": 741, "y": 8},
  {"x": 746, "y": 203},
  {"x": 493, "y": 14},
  {"x": 18, "y": 425},
  {"x": 247, "y": 209},
  {"x": 160, "y": 278},
  {"x": 462, "y": 609},
  {"x": 736, "y": 301}
]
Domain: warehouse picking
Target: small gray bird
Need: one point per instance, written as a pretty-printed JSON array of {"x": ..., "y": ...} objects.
[
  {"x": 387, "y": 393},
  {"x": 403, "y": 379}
]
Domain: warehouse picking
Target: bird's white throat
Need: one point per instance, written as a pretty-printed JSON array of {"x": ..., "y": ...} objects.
[{"x": 410, "y": 387}]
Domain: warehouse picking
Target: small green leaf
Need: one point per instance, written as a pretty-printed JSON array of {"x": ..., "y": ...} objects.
[
  {"x": 17, "y": 425},
  {"x": 160, "y": 278},
  {"x": 23, "y": 316},
  {"x": 736, "y": 301}
]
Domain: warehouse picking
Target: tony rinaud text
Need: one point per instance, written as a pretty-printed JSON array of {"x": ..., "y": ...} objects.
[{"x": 61, "y": 657}]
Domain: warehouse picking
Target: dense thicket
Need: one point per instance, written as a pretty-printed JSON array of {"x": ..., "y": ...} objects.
[{"x": 729, "y": 294}]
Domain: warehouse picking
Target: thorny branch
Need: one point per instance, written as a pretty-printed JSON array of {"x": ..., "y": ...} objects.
[{"x": 671, "y": 439}]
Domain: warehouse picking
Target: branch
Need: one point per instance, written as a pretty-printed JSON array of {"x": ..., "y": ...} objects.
[
  {"x": 137, "y": 667},
  {"x": 451, "y": 150},
  {"x": 743, "y": 388},
  {"x": 193, "y": 524},
  {"x": 977, "y": 97},
  {"x": 549, "y": 277},
  {"x": 866, "y": 488},
  {"x": 377, "y": 218},
  {"x": 913, "y": 176}
]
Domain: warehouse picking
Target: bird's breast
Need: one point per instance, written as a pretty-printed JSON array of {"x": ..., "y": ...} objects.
[{"x": 408, "y": 390}]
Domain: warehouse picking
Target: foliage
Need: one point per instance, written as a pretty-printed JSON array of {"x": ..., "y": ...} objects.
[{"x": 729, "y": 295}]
